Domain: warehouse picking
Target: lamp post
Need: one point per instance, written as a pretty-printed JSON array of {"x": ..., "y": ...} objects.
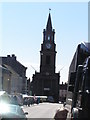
[{"x": 8, "y": 81}]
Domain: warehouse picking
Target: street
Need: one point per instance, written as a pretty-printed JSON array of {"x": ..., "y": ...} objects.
[{"x": 42, "y": 110}]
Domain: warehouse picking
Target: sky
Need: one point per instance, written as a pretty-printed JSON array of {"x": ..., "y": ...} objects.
[{"x": 22, "y": 25}]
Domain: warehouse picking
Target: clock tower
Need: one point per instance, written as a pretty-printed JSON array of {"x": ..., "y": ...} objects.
[
  {"x": 46, "y": 82},
  {"x": 48, "y": 53}
]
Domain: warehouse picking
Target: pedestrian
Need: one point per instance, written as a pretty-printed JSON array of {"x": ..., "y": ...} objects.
[
  {"x": 14, "y": 99},
  {"x": 35, "y": 99},
  {"x": 25, "y": 101},
  {"x": 38, "y": 100},
  {"x": 28, "y": 102},
  {"x": 61, "y": 114}
]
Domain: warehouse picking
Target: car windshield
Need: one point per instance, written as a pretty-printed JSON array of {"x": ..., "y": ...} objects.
[
  {"x": 4, "y": 97},
  {"x": 7, "y": 99}
]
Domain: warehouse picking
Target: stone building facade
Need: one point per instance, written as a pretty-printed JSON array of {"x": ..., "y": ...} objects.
[
  {"x": 17, "y": 72},
  {"x": 62, "y": 92}
]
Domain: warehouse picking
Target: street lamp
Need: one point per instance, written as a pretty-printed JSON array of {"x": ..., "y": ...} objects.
[{"x": 8, "y": 87}]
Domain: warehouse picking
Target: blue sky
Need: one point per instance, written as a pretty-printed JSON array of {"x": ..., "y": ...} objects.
[{"x": 22, "y": 31}]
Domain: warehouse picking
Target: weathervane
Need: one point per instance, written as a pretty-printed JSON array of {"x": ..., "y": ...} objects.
[{"x": 49, "y": 10}]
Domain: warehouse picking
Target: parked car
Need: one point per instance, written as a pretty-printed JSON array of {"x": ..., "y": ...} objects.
[
  {"x": 19, "y": 98},
  {"x": 9, "y": 110},
  {"x": 50, "y": 99}
]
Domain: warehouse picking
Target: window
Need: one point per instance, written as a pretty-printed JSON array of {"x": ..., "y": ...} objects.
[
  {"x": 52, "y": 38},
  {"x": 72, "y": 78},
  {"x": 49, "y": 37},
  {"x": 72, "y": 81},
  {"x": 48, "y": 59}
]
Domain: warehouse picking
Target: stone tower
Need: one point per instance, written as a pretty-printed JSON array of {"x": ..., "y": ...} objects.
[{"x": 46, "y": 82}]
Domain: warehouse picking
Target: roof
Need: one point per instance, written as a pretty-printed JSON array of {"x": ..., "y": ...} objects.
[
  {"x": 63, "y": 86},
  {"x": 4, "y": 68},
  {"x": 13, "y": 63},
  {"x": 49, "y": 23},
  {"x": 85, "y": 46}
]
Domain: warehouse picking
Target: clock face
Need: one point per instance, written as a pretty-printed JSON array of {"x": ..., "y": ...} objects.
[{"x": 48, "y": 45}]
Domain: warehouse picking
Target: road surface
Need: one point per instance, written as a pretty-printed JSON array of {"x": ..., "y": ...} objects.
[{"x": 42, "y": 110}]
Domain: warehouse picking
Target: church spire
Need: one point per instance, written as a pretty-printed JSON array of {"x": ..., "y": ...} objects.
[{"x": 49, "y": 23}]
